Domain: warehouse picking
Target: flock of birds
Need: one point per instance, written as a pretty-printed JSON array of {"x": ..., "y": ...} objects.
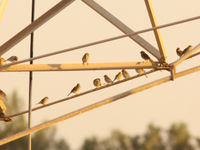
[
  {"x": 75, "y": 90},
  {"x": 97, "y": 82}
]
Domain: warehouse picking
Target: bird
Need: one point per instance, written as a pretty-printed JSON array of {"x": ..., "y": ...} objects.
[
  {"x": 141, "y": 71},
  {"x": 44, "y": 101},
  {"x": 97, "y": 82},
  {"x": 145, "y": 56},
  {"x": 3, "y": 111},
  {"x": 76, "y": 89},
  {"x": 118, "y": 76},
  {"x": 12, "y": 59},
  {"x": 2, "y": 107},
  {"x": 85, "y": 58},
  {"x": 2, "y": 94},
  {"x": 2, "y": 61},
  {"x": 179, "y": 52},
  {"x": 7, "y": 119},
  {"x": 107, "y": 79},
  {"x": 3, "y": 117},
  {"x": 125, "y": 74},
  {"x": 187, "y": 49}
]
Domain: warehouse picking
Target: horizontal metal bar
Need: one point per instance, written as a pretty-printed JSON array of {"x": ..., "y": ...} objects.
[{"x": 76, "y": 67}]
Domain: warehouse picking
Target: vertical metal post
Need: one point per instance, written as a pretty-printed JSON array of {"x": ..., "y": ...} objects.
[
  {"x": 31, "y": 78},
  {"x": 156, "y": 31},
  {"x": 2, "y": 7}
]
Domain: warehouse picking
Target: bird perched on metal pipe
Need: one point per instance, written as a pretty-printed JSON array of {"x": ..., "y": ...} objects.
[
  {"x": 85, "y": 58},
  {"x": 2, "y": 61},
  {"x": 3, "y": 111},
  {"x": 2, "y": 106},
  {"x": 44, "y": 101},
  {"x": 12, "y": 59},
  {"x": 75, "y": 89},
  {"x": 140, "y": 71},
  {"x": 125, "y": 74},
  {"x": 97, "y": 82},
  {"x": 107, "y": 79},
  {"x": 118, "y": 76},
  {"x": 146, "y": 57},
  {"x": 180, "y": 52}
]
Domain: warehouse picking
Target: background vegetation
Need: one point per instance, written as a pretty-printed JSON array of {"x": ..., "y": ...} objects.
[{"x": 177, "y": 137}]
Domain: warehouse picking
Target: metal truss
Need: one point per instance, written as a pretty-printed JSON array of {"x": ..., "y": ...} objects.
[{"x": 159, "y": 54}]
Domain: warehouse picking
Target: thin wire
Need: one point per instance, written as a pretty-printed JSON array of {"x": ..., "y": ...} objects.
[
  {"x": 31, "y": 78},
  {"x": 102, "y": 41},
  {"x": 83, "y": 93}
]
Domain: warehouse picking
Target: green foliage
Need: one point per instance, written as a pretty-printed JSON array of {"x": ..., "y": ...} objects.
[
  {"x": 91, "y": 143},
  {"x": 179, "y": 137},
  {"x": 42, "y": 140},
  {"x": 176, "y": 138}
]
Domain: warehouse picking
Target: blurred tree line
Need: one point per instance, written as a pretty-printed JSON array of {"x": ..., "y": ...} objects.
[{"x": 177, "y": 137}]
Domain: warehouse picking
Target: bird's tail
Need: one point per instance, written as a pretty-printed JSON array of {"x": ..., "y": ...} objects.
[
  {"x": 69, "y": 93},
  {"x": 152, "y": 61},
  {"x": 38, "y": 103}
]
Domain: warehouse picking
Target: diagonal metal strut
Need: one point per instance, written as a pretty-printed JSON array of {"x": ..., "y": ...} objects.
[
  {"x": 156, "y": 31},
  {"x": 122, "y": 27},
  {"x": 33, "y": 26}
]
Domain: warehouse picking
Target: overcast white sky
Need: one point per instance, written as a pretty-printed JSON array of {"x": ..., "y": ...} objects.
[{"x": 176, "y": 101}]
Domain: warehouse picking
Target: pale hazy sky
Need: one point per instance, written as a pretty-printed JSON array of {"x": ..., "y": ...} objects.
[{"x": 176, "y": 101}]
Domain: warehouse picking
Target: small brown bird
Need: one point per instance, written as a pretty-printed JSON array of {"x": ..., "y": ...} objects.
[
  {"x": 3, "y": 117},
  {"x": 118, "y": 76},
  {"x": 140, "y": 71},
  {"x": 125, "y": 74},
  {"x": 145, "y": 56},
  {"x": 2, "y": 61},
  {"x": 2, "y": 107},
  {"x": 44, "y": 101},
  {"x": 2, "y": 94},
  {"x": 107, "y": 79},
  {"x": 187, "y": 49},
  {"x": 85, "y": 58},
  {"x": 2, "y": 112},
  {"x": 7, "y": 119},
  {"x": 12, "y": 59},
  {"x": 76, "y": 89},
  {"x": 97, "y": 82},
  {"x": 179, "y": 52}
]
